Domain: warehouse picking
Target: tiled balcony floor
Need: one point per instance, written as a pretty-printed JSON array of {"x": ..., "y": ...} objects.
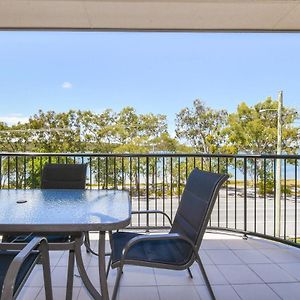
[{"x": 237, "y": 269}]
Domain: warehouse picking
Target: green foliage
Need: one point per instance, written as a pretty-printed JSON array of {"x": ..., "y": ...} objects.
[
  {"x": 85, "y": 131},
  {"x": 202, "y": 127},
  {"x": 251, "y": 129},
  {"x": 254, "y": 129}
]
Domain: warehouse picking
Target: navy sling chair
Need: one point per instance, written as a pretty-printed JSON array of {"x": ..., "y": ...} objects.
[
  {"x": 16, "y": 266},
  {"x": 178, "y": 249},
  {"x": 59, "y": 176},
  {"x": 64, "y": 176}
]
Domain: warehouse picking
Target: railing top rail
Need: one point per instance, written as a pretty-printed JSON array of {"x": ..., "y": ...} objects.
[{"x": 167, "y": 154}]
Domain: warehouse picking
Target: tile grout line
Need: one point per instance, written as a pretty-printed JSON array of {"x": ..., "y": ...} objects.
[
  {"x": 287, "y": 270},
  {"x": 275, "y": 282},
  {"x": 235, "y": 291},
  {"x": 40, "y": 291},
  {"x": 156, "y": 284},
  {"x": 274, "y": 291}
]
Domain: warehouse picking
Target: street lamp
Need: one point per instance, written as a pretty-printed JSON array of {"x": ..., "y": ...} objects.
[{"x": 278, "y": 164}]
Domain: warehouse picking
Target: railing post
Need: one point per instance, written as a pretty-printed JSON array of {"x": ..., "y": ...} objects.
[
  {"x": 147, "y": 190},
  {"x": 278, "y": 166},
  {"x": 245, "y": 196},
  {"x": 24, "y": 171},
  {"x": 17, "y": 171},
  {"x": 278, "y": 198},
  {"x": 8, "y": 172},
  {"x": 0, "y": 172}
]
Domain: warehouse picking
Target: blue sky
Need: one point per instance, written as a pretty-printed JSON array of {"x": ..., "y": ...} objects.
[{"x": 153, "y": 72}]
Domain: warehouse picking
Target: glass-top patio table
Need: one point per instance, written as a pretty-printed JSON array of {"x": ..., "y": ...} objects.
[{"x": 63, "y": 211}]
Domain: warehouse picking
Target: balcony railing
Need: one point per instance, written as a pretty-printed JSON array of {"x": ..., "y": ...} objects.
[{"x": 247, "y": 203}]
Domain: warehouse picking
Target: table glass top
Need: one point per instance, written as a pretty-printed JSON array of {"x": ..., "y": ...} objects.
[{"x": 63, "y": 207}]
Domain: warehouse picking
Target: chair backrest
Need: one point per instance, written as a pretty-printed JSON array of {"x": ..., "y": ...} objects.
[
  {"x": 64, "y": 176},
  {"x": 197, "y": 203}
]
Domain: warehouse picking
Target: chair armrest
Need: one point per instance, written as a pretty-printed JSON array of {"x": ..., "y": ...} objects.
[
  {"x": 16, "y": 264},
  {"x": 154, "y": 211},
  {"x": 156, "y": 237}
]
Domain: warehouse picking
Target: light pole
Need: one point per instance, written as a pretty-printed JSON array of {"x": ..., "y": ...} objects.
[{"x": 278, "y": 165}]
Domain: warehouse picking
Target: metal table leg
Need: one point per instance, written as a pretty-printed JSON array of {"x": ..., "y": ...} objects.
[
  {"x": 81, "y": 269},
  {"x": 70, "y": 278},
  {"x": 101, "y": 262}
]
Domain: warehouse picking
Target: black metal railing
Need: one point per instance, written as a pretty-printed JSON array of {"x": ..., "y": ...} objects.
[{"x": 247, "y": 203}]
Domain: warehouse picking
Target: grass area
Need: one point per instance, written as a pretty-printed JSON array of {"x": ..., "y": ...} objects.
[
  {"x": 293, "y": 240},
  {"x": 240, "y": 183}
]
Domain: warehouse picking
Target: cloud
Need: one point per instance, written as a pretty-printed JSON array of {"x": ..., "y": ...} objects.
[
  {"x": 67, "y": 85},
  {"x": 14, "y": 119}
]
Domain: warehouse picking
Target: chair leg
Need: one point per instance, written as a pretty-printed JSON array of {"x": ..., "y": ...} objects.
[
  {"x": 70, "y": 278},
  {"x": 190, "y": 273},
  {"x": 46, "y": 272},
  {"x": 87, "y": 240},
  {"x": 110, "y": 258},
  {"x": 108, "y": 266},
  {"x": 117, "y": 283},
  {"x": 110, "y": 238},
  {"x": 205, "y": 278}
]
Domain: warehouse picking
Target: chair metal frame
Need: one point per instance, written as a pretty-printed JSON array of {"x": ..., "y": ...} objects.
[
  {"x": 195, "y": 246},
  {"x": 36, "y": 244},
  {"x": 68, "y": 245}
]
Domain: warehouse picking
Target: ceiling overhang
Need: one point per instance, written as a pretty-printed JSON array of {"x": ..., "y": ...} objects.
[{"x": 216, "y": 15}]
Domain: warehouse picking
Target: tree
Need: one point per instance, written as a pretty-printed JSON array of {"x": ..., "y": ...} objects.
[
  {"x": 254, "y": 129},
  {"x": 55, "y": 132},
  {"x": 140, "y": 133},
  {"x": 202, "y": 127}
]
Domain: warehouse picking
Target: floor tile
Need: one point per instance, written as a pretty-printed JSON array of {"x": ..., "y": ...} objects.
[
  {"x": 237, "y": 244},
  {"x": 222, "y": 292},
  {"x": 271, "y": 273},
  {"x": 55, "y": 256},
  {"x": 59, "y": 277},
  {"x": 93, "y": 260},
  {"x": 226, "y": 257},
  {"x": 84, "y": 294},
  {"x": 287, "y": 291},
  {"x": 280, "y": 255},
  {"x": 36, "y": 278},
  {"x": 292, "y": 268},
  {"x": 255, "y": 292},
  {"x": 236, "y": 269},
  {"x": 175, "y": 277},
  {"x": 138, "y": 293},
  {"x": 262, "y": 244},
  {"x": 63, "y": 261},
  {"x": 213, "y": 244},
  {"x": 291, "y": 249},
  {"x": 213, "y": 273},
  {"x": 28, "y": 293},
  {"x": 93, "y": 274},
  {"x": 59, "y": 293},
  {"x": 251, "y": 256},
  {"x": 239, "y": 274},
  {"x": 205, "y": 258},
  {"x": 178, "y": 293},
  {"x": 137, "y": 276}
]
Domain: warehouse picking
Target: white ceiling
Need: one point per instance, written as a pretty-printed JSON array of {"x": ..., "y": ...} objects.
[{"x": 151, "y": 14}]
